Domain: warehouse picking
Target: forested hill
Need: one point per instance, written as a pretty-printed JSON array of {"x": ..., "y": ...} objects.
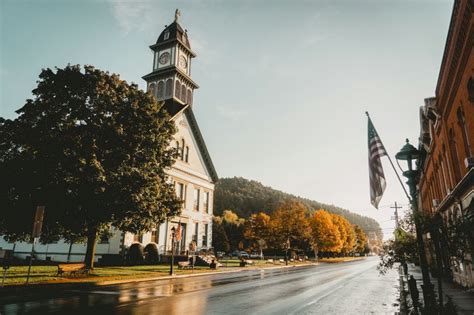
[{"x": 245, "y": 197}]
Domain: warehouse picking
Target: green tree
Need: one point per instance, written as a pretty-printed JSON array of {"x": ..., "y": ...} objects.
[
  {"x": 93, "y": 150},
  {"x": 401, "y": 249},
  {"x": 233, "y": 227},
  {"x": 220, "y": 241}
]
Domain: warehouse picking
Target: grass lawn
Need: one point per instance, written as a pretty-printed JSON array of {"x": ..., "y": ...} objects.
[
  {"x": 339, "y": 259},
  {"x": 16, "y": 275},
  {"x": 48, "y": 274}
]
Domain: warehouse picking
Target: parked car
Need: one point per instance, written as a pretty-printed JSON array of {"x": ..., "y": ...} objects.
[
  {"x": 256, "y": 255},
  {"x": 244, "y": 254},
  {"x": 235, "y": 253}
]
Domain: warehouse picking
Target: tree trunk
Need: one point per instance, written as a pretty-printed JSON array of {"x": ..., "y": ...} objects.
[
  {"x": 90, "y": 251},
  {"x": 69, "y": 252}
]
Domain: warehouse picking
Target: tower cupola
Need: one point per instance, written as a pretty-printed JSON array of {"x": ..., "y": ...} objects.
[{"x": 170, "y": 79}]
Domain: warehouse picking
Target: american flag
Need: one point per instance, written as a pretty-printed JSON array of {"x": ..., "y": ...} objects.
[
  {"x": 178, "y": 232},
  {"x": 376, "y": 175}
]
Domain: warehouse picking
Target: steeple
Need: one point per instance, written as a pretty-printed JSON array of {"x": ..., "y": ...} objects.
[{"x": 170, "y": 79}]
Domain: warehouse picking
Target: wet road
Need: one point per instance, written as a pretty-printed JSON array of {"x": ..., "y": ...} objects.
[{"x": 346, "y": 288}]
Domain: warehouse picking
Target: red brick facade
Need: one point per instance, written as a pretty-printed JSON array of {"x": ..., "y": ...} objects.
[{"x": 447, "y": 131}]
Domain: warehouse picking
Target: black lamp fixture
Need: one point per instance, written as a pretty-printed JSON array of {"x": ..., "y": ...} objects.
[{"x": 411, "y": 154}]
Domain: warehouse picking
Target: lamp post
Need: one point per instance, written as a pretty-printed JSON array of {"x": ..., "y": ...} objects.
[
  {"x": 173, "y": 236},
  {"x": 410, "y": 154}
]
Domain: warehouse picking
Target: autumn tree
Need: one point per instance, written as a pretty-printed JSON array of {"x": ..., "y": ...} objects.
[
  {"x": 325, "y": 236},
  {"x": 347, "y": 233},
  {"x": 289, "y": 225},
  {"x": 257, "y": 230},
  {"x": 91, "y": 148},
  {"x": 361, "y": 239}
]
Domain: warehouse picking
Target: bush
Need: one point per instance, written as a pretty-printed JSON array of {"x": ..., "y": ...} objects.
[
  {"x": 151, "y": 253},
  {"x": 135, "y": 254}
]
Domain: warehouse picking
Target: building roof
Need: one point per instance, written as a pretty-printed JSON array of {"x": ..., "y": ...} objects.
[
  {"x": 201, "y": 144},
  {"x": 176, "y": 33},
  {"x": 175, "y": 108}
]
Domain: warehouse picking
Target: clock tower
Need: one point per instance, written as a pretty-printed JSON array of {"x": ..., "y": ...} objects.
[{"x": 170, "y": 80}]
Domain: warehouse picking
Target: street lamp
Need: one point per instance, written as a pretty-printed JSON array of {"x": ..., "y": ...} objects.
[
  {"x": 173, "y": 237},
  {"x": 410, "y": 154}
]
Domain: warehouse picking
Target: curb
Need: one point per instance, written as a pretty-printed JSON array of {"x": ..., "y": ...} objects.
[
  {"x": 190, "y": 275},
  {"x": 403, "y": 297}
]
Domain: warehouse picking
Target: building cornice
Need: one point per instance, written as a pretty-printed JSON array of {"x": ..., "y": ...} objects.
[
  {"x": 171, "y": 71},
  {"x": 464, "y": 184},
  {"x": 171, "y": 42},
  {"x": 459, "y": 36}
]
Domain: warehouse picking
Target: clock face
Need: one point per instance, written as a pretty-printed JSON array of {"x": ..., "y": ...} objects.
[
  {"x": 164, "y": 58},
  {"x": 183, "y": 63}
]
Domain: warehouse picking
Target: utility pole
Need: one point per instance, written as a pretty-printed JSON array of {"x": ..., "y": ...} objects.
[{"x": 396, "y": 207}]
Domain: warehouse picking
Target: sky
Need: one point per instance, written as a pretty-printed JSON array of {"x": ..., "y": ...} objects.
[{"x": 284, "y": 85}]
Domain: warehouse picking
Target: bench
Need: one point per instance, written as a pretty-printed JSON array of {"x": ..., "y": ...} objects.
[
  {"x": 72, "y": 269},
  {"x": 184, "y": 265}
]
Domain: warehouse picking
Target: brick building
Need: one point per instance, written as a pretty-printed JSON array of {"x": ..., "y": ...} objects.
[{"x": 446, "y": 184}]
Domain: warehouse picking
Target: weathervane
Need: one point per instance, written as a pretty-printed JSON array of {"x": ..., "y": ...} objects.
[{"x": 177, "y": 14}]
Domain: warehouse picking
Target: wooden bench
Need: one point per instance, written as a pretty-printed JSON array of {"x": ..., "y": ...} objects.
[
  {"x": 184, "y": 265},
  {"x": 72, "y": 269}
]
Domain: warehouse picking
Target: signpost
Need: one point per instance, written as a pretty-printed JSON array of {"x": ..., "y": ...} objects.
[
  {"x": 37, "y": 225},
  {"x": 6, "y": 256},
  {"x": 192, "y": 249}
]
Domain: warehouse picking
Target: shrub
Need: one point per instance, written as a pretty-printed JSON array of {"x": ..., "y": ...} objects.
[
  {"x": 135, "y": 254},
  {"x": 151, "y": 253}
]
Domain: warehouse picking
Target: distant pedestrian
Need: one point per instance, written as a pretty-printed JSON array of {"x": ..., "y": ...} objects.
[{"x": 413, "y": 291}]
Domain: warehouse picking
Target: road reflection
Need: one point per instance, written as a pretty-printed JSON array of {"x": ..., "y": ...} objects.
[{"x": 351, "y": 288}]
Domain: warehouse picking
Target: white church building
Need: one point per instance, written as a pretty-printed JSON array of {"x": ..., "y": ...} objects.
[{"x": 193, "y": 173}]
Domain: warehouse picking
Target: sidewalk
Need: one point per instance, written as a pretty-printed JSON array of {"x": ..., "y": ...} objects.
[{"x": 463, "y": 299}]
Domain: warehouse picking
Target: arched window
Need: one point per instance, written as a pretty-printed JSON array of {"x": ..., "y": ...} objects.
[
  {"x": 178, "y": 149},
  {"x": 169, "y": 88},
  {"x": 186, "y": 154},
  {"x": 190, "y": 97},
  {"x": 160, "y": 90},
  {"x": 177, "y": 90},
  {"x": 151, "y": 88},
  {"x": 182, "y": 149},
  {"x": 454, "y": 154},
  {"x": 183, "y": 93}
]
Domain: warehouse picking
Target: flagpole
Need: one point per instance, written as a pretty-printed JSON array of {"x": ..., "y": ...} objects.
[{"x": 393, "y": 166}]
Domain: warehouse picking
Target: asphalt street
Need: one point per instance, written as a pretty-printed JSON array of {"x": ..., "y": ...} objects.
[{"x": 343, "y": 288}]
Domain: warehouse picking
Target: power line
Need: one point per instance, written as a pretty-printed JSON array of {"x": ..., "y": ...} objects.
[{"x": 396, "y": 207}]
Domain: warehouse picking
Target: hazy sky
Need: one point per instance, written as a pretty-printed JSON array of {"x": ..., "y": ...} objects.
[{"x": 283, "y": 84}]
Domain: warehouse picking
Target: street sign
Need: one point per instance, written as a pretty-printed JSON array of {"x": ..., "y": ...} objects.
[
  {"x": 37, "y": 225},
  {"x": 38, "y": 222}
]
